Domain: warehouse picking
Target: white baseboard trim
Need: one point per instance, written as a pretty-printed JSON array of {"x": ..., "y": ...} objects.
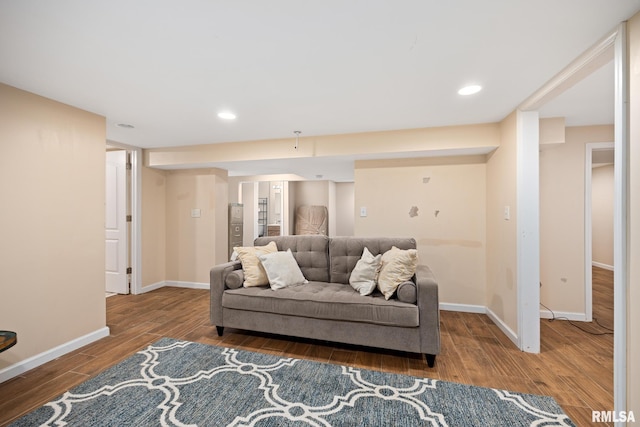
[
  {"x": 563, "y": 315},
  {"x": 175, "y": 283},
  {"x": 601, "y": 265},
  {"x": 544, "y": 314},
  {"x": 465, "y": 308},
  {"x": 152, "y": 287},
  {"x": 503, "y": 327},
  {"x": 49, "y": 355},
  {"x": 190, "y": 285},
  {"x": 468, "y": 308}
]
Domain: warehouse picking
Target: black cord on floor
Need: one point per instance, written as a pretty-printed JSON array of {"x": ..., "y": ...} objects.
[{"x": 553, "y": 317}]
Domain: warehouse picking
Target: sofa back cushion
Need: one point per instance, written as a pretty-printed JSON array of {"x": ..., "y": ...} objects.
[
  {"x": 344, "y": 252},
  {"x": 311, "y": 252}
]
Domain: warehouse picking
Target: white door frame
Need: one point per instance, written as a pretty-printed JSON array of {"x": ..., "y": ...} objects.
[
  {"x": 621, "y": 177},
  {"x": 136, "y": 214},
  {"x": 528, "y": 231},
  {"x": 588, "y": 225},
  {"x": 612, "y": 46}
]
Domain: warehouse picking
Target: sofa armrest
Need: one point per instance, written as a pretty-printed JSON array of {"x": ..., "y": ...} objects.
[
  {"x": 428, "y": 305},
  {"x": 217, "y": 279}
]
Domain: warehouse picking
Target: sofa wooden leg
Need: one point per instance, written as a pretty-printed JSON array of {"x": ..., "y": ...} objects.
[
  {"x": 431, "y": 360},
  {"x": 220, "y": 330}
]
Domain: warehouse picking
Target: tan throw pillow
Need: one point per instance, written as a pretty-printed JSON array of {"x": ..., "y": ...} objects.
[
  {"x": 254, "y": 274},
  {"x": 397, "y": 266},
  {"x": 363, "y": 276},
  {"x": 282, "y": 269}
]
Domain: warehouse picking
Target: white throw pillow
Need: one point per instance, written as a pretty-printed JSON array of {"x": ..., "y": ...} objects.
[
  {"x": 282, "y": 269},
  {"x": 397, "y": 266},
  {"x": 363, "y": 277},
  {"x": 254, "y": 274}
]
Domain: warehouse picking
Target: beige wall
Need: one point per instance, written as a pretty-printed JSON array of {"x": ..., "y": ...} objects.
[
  {"x": 633, "y": 318},
  {"x": 501, "y": 289},
  {"x": 249, "y": 212},
  {"x": 409, "y": 141},
  {"x": 345, "y": 208},
  {"x": 551, "y": 130},
  {"x": 194, "y": 245},
  {"x": 602, "y": 215},
  {"x": 310, "y": 193},
  {"x": 562, "y": 204},
  {"x": 332, "y": 208},
  {"x": 52, "y": 255},
  {"x": 176, "y": 246},
  {"x": 451, "y": 242},
  {"x": 154, "y": 226}
]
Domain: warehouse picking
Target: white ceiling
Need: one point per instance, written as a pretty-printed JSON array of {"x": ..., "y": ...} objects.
[
  {"x": 589, "y": 102},
  {"x": 321, "y": 67}
]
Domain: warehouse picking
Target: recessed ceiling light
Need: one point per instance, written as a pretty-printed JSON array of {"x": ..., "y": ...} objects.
[
  {"x": 125, "y": 126},
  {"x": 470, "y": 90},
  {"x": 226, "y": 115}
]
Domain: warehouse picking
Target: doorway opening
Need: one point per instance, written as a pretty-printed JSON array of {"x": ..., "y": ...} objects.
[
  {"x": 123, "y": 219},
  {"x": 266, "y": 208},
  {"x": 612, "y": 46},
  {"x": 117, "y": 230},
  {"x": 599, "y": 245}
]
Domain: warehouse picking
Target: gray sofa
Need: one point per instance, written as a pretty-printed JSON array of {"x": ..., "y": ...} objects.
[{"x": 328, "y": 308}]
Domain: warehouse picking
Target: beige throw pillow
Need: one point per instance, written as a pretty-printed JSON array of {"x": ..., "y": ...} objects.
[
  {"x": 282, "y": 269},
  {"x": 254, "y": 274},
  {"x": 397, "y": 266},
  {"x": 363, "y": 276}
]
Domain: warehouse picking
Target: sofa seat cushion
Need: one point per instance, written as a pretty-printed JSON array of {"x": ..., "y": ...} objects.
[{"x": 321, "y": 300}]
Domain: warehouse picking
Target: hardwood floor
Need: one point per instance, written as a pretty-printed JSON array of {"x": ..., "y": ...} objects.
[{"x": 574, "y": 367}]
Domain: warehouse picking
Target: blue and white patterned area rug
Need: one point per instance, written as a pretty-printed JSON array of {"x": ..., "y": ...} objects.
[{"x": 179, "y": 383}]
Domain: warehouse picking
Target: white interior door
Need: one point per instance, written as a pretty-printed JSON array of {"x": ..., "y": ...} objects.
[{"x": 116, "y": 222}]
